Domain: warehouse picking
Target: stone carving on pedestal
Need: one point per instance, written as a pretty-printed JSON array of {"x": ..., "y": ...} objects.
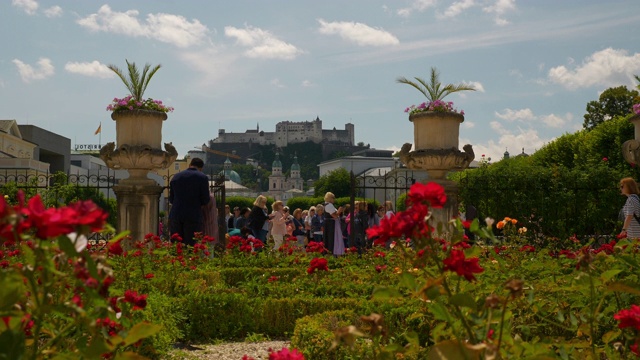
[
  {"x": 139, "y": 133},
  {"x": 631, "y": 148},
  {"x": 438, "y": 154}
]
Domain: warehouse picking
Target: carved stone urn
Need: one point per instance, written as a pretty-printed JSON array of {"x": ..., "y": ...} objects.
[
  {"x": 631, "y": 148},
  {"x": 436, "y": 129},
  {"x": 436, "y": 138},
  {"x": 137, "y": 150}
]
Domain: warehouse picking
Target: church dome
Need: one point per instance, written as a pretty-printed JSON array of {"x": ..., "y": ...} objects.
[
  {"x": 231, "y": 175},
  {"x": 295, "y": 166},
  {"x": 277, "y": 162}
]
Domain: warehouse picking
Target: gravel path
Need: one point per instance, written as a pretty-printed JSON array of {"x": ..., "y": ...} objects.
[{"x": 228, "y": 351}]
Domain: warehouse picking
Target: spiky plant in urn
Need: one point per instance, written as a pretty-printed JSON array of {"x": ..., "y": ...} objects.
[
  {"x": 436, "y": 128},
  {"x": 137, "y": 150},
  {"x": 138, "y": 126}
]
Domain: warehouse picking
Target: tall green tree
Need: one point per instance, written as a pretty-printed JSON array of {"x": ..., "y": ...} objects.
[
  {"x": 337, "y": 181},
  {"x": 434, "y": 89},
  {"x": 617, "y": 101},
  {"x": 135, "y": 82}
]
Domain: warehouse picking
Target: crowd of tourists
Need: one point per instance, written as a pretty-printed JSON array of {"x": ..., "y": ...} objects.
[{"x": 336, "y": 227}]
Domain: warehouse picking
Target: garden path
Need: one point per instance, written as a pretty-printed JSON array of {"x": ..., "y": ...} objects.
[{"x": 228, "y": 351}]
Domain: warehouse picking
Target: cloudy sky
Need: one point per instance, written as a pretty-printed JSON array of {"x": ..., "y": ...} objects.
[{"x": 235, "y": 64}]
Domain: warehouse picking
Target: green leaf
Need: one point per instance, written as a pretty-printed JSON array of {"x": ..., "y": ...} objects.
[
  {"x": 439, "y": 311},
  {"x": 631, "y": 289},
  {"x": 610, "y": 335},
  {"x": 573, "y": 319},
  {"x": 475, "y": 225},
  {"x": 67, "y": 246},
  {"x": 383, "y": 293},
  {"x": 412, "y": 338},
  {"x": 12, "y": 290},
  {"x": 560, "y": 316},
  {"x": 408, "y": 280},
  {"x": 630, "y": 260},
  {"x": 140, "y": 331},
  {"x": 609, "y": 274},
  {"x": 12, "y": 344},
  {"x": 393, "y": 348},
  {"x": 433, "y": 292},
  {"x": 452, "y": 350},
  {"x": 464, "y": 300}
]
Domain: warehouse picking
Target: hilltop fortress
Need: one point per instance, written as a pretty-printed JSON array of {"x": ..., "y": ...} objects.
[{"x": 289, "y": 132}]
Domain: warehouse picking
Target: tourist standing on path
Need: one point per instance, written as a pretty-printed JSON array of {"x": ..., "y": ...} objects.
[
  {"x": 317, "y": 224},
  {"x": 227, "y": 216},
  {"x": 332, "y": 230},
  {"x": 279, "y": 224},
  {"x": 259, "y": 219},
  {"x": 188, "y": 193},
  {"x": 307, "y": 222},
  {"x": 631, "y": 208},
  {"x": 388, "y": 208},
  {"x": 241, "y": 222},
  {"x": 360, "y": 224},
  {"x": 298, "y": 227}
]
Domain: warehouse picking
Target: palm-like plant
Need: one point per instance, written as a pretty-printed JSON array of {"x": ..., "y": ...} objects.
[
  {"x": 135, "y": 82},
  {"x": 434, "y": 90}
]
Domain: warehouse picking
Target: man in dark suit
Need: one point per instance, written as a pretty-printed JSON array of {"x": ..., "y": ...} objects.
[{"x": 188, "y": 192}]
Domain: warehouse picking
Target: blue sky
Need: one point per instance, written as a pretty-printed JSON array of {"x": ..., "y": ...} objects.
[{"x": 234, "y": 64}]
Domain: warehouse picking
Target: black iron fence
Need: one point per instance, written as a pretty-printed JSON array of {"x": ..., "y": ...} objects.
[
  {"x": 546, "y": 205},
  {"x": 61, "y": 188}
]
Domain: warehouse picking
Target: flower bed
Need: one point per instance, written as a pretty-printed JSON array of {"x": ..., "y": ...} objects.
[{"x": 499, "y": 296}]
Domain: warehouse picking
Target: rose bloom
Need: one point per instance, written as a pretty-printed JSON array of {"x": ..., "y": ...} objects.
[
  {"x": 457, "y": 263},
  {"x": 319, "y": 264},
  {"x": 629, "y": 317}
]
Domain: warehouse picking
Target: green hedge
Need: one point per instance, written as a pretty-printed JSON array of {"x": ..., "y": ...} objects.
[
  {"x": 233, "y": 277},
  {"x": 313, "y": 335}
]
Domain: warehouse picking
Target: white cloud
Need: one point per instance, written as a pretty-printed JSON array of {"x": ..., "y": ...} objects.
[
  {"x": 167, "y": 28},
  {"x": 526, "y": 115},
  {"x": 556, "y": 121},
  {"x": 457, "y": 8},
  {"x": 91, "y": 69},
  {"x": 27, "y": 72},
  {"x": 216, "y": 67},
  {"x": 512, "y": 115},
  {"x": 416, "y": 6},
  {"x": 307, "y": 83},
  {"x": 358, "y": 33},
  {"x": 29, "y": 6},
  {"x": 468, "y": 124},
  {"x": 262, "y": 44},
  {"x": 499, "y": 8},
  {"x": 515, "y": 142},
  {"x": 515, "y": 73},
  {"x": 54, "y": 11},
  {"x": 276, "y": 83},
  {"x": 608, "y": 67},
  {"x": 476, "y": 85}
]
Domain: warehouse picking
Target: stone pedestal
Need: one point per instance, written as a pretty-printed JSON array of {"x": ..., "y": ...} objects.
[
  {"x": 139, "y": 135},
  {"x": 631, "y": 148},
  {"x": 436, "y": 151},
  {"x": 450, "y": 209},
  {"x": 138, "y": 208}
]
